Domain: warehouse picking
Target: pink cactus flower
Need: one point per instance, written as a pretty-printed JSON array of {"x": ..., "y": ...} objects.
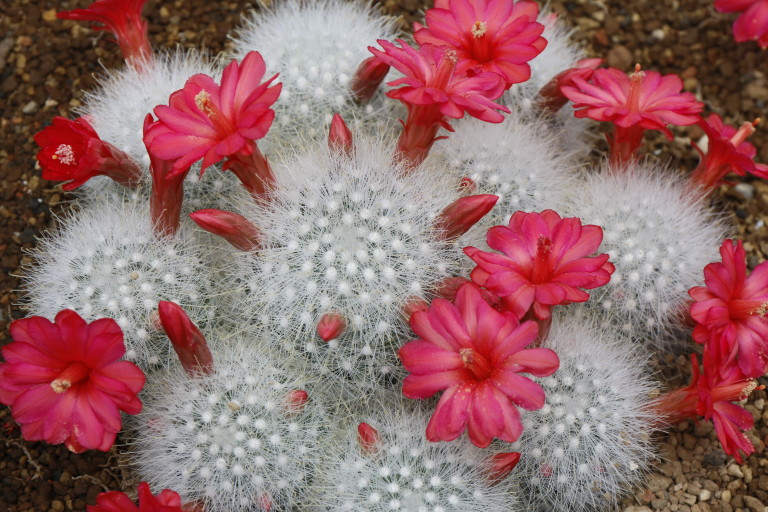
[
  {"x": 65, "y": 383},
  {"x": 730, "y": 310},
  {"x": 498, "y": 36},
  {"x": 115, "y": 501},
  {"x": 710, "y": 394},
  {"x": 752, "y": 23},
  {"x": 644, "y": 100},
  {"x": 123, "y": 19},
  {"x": 72, "y": 151},
  {"x": 434, "y": 90},
  {"x": 728, "y": 151},
  {"x": 474, "y": 353},
  {"x": 212, "y": 122},
  {"x": 545, "y": 262}
]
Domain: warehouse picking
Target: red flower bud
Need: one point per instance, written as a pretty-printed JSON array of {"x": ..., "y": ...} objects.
[
  {"x": 187, "y": 340},
  {"x": 368, "y": 438},
  {"x": 501, "y": 465},
  {"x": 297, "y": 400},
  {"x": 462, "y": 214},
  {"x": 234, "y": 228},
  {"x": 339, "y": 137},
  {"x": 367, "y": 78},
  {"x": 331, "y": 325}
]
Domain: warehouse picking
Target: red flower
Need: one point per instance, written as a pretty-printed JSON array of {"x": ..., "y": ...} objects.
[
  {"x": 499, "y": 36},
  {"x": 114, "y": 501},
  {"x": 123, "y": 19},
  {"x": 65, "y": 383},
  {"x": 545, "y": 262},
  {"x": 212, "y": 122},
  {"x": 730, "y": 310},
  {"x": 72, "y": 150},
  {"x": 433, "y": 90},
  {"x": 728, "y": 151},
  {"x": 474, "y": 353},
  {"x": 645, "y": 100},
  {"x": 752, "y": 24}
]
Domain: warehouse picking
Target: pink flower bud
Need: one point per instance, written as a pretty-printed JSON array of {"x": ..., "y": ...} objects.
[
  {"x": 367, "y": 78},
  {"x": 297, "y": 400},
  {"x": 187, "y": 340},
  {"x": 339, "y": 137},
  {"x": 368, "y": 438},
  {"x": 265, "y": 502},
  {"x": 467, "y": 186},
  {"x": 234, "y": 228},
  {"x": 501, "y": 465},
  {"x": 413, "y": 305},
  {"x": 331, "y": 325},
  {"x": 462, "y": 214}
]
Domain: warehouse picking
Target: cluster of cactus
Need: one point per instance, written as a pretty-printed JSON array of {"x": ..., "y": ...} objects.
[{"x": 305, "y": 302}]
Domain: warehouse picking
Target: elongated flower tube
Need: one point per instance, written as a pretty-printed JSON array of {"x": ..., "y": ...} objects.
[
  {"x": 167, "y": 187},
  {"x": 498, "y": 36},
  {"x": 474, "y": 354},
  {"x": 65, "y": 382},
  {"x": 730, "y": 310},
  {"x": 115, "y": 501},
  {"x": 727, "y": 151},
  {"x": 123, "y": 19},
  {"x": 219, "y": 122},
  {"x": 545, "y": 262},
  {"x": 710, "y": 394},
  {"x": 752, "y": 23},
  {"x": 434, "y": 90},
  {"x": 72, "y": 151},
  {"x": 644, "y": 100}
]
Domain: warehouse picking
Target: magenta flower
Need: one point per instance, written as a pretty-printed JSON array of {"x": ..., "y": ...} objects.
[
  {"x": 212, "y": 122},
  {"x": 644, "y": 100},
  {"x": 752, "y": 23},
  {"x": 499, "y": 36},
  {"x": 545, "y": 262},
  {"x": 65, "y": 382},
  {"x": 433, "y": 89},
  {"x": 115, "y": 501},
  {"x": 728, "y": 151},
  {"x": 475, "y": 354},
  {"x": 123, "y": 19},
  {"x": 72, "y": 151},
  {"x": 730, "y": 310}
]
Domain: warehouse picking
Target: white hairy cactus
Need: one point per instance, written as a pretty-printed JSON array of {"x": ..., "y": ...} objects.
[
  {"x": 659, "y": 233},
  {"x": 512, "y": 160},
  {"x": 316, "y": 47},
  {"x": 118, "y": 106},
  {"x": 104, "y": 261},
  {"x": 402, "y": 471},
  {"x": 350, "y": 237},
  {"x": 243, "y": 438},
  {"x": 591, "y": 440}
]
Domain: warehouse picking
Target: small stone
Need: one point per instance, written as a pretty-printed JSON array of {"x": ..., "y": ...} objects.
[
  {"x": 49, "y": 15},
  {"x": 657, "y": 483},
  {"x": 747, "y": 191},
  {"x": 619, "y": 57},
  {"x": 726, "y": 496},
  {"x": 30, "y": 108},
  {"x": 735, "y": 470},
  {"x": 659, "y": 504},
  {"x": 57, "y": 505},
  {"x": 658, "y": 34},
  {"x": 759, "y": 403},
  {"x": 754, "y": 504},
  {"x": 690, "y": 499},
  {"x": 705, "y": 494}
]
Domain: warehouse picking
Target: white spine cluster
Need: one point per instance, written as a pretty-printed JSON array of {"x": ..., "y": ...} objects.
[
  {"x": 349, "y": 236},
  {"x": 406, "y": 473},
  {"x": 659, "y": 233},
  {"x": 512, "y": 160},
  {"x": 105, "y": 262},
  {"x": 316, "y": 47},
  {"x": 591, "y": 440},
  {"x": 117, "y": 108},
  {"x": 232, "y": 440}
]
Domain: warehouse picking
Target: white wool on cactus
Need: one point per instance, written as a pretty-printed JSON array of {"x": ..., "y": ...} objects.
[
  {"x": 402, "y": 471},
  {"x": 592, "y": 439},
  {"x": 316, "y": 47},
  {"x": 243, "y": 438},
  {"x": 659, "y": 233},
  {"x": 104, "y": 261},
  {"x": 512, "y": 160},
  {"x": 351, "y": 240}
]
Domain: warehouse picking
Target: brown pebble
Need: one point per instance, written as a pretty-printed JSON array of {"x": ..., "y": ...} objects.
[{"x": 619, "y": 57}]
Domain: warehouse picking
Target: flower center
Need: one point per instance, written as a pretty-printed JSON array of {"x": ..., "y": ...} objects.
[
  {"x": 211, "y": 110},
  {"x": 476, "y": 363},
  {"x": 740, "y": 308},
  {"x": 481, "y": 45},
  {"x": 72, "y": 374},
  {"x": 65, "y": 155},
  {"x": 635, "y": 89},
  {"x": 744, "y": 132},
  {"x": 445, "y": 69},
  {"x": 542, "y": 271}
]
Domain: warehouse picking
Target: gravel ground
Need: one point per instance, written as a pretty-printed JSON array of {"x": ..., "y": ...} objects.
[{"x": 46, "y": 63}]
